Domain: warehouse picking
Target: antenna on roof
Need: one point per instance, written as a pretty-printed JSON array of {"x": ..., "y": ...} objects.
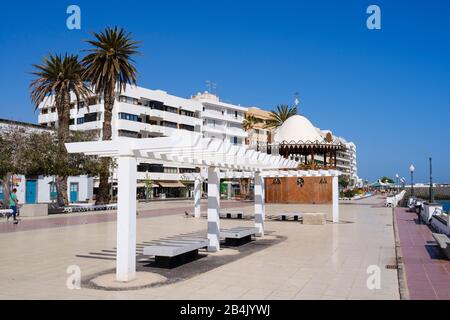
[
  {"x": 214, "y": 88},
  {"x": 296, "y": 103},
  {"x": 208, "y": 85}
]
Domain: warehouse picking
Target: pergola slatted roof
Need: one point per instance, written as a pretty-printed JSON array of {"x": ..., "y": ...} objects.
[
  {"x": 187, "y": 148},
  {"x": 221, "y": 158}
]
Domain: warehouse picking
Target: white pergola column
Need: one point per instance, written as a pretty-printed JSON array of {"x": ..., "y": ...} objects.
[
  {"x": 259, "y": 204},
  {"x": 197, "y": 197},
  {"x": 126, "y": 218},
  {"x": 229, "y": 190},
  {"x": 335, "y": 192},
  {"x": 213, "y": 209}
]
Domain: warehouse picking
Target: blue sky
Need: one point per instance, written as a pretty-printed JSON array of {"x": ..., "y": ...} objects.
[{"x": 387, "y": 90}]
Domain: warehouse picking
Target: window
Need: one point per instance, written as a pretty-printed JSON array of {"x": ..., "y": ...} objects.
[
  {"x": 80, "y": 120},
  {"x": 128, "y": 116},
  {"x": 189, "y": 170},
  {"x": 169, "y": 124},
  {"x": 187, "y": 127},
  {"x": 90, "y": 117},
  {"x": 71, "y": 122},
  {"x": 236, "y": 114},
  {"x": 187, "y": 113},
  {"x": 129, "y": 100},
  {"x": 171, "y": 109},
  {"x": 170, "y": 170},
  {"x": 44, "y": 111},
  {"x": 128, "y": 134}
]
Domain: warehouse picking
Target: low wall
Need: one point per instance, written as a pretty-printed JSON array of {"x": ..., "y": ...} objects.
[{"x": 423, "y": 192}]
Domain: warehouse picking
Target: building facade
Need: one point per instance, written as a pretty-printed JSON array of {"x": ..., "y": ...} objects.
[
  {"x": 221, "y": 120},
  {"x": 259, "y": 137},
  {"x": 145, "y": 113},
  {"x": 41, "y": 189}
]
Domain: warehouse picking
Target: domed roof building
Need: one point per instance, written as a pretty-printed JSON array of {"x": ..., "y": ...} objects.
[
  {"x": 300, "y": 140},
  {"x": 297, "y": 128}
]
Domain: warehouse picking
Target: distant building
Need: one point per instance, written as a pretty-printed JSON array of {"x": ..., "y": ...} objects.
[
  {"x": 40, "y": 189},
  {"x": 259, "y": 136},
  {"x": 221, "y": 120},
  {"x": 299, "y": 139}
]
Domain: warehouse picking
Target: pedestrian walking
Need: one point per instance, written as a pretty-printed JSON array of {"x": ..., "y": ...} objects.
[{"x": 13, "y": 204}]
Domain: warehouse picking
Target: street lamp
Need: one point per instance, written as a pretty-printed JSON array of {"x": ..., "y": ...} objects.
[
  {"x": 397, "y": 178},
  {"x": 431, "y": 181},
  {"x": 411, "y": 169}
]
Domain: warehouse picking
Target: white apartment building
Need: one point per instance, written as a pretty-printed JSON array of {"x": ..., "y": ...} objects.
[
  {"x": 41, "y": 189},
  {"x": 145, "y": 113},
  {"x": 221, "y": 120},
  {"x": 346, "y": 159}
]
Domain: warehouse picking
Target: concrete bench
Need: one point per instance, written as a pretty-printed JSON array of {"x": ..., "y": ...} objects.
[
  {"x": 443, "y": 243},
  {"x": 314, "y": 218},
  {"x": 5, "y": 212},
  {"x": 171, "y": 253},
  {"x": 232, "y": 215},
  {"x": 87, "y": 208},
  {"x": 293, "y": 215},
  {"x": 238, "y": 236}
]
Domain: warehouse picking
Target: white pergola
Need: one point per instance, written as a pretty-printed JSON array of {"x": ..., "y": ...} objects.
[{"x": 222, "y": 160}]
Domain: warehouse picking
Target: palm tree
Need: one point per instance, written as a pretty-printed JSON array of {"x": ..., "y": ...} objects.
[
  {"x": 59, "y": 76},
  {"x": 278, "y": 117},
  {"x": 109, "y": 67},
  {"x": 249, "y": 122}
]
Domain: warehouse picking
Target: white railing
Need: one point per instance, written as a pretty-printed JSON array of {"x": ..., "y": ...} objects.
[{"x": 392, "y": 201}]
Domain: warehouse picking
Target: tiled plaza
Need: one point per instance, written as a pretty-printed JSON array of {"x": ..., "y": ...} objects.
[{"x": 294, "y": 261}]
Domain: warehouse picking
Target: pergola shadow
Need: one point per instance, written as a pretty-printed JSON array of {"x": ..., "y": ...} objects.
[{"x": 204, "y": 263}]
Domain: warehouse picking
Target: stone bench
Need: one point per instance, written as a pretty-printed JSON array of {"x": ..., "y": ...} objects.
[
  {"x": 443, "y": 243},
  {"x": 317, "y": 218},
  {"x": 238, "y": 236},
  {"x": 34, "y": 210},
  {"x": 232, "y": 215},
  {"x": 286, "y": 216},
  {"x": 87, "y": 208},
  {"x": 171, "y": 253},
  {"x": 5, "y": 212}
]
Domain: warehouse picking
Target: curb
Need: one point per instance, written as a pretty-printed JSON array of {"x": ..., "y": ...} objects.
[{"x": 401, "y": 273}]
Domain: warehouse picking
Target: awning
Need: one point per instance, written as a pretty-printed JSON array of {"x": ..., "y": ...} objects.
[{"x": 176, "y": 184}]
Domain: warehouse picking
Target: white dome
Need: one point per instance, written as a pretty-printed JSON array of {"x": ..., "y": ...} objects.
[{"x": 297, "y": 128}]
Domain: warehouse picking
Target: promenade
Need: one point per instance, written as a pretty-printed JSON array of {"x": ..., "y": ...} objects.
[
  {"x": 293, "y": 261},
  {"x": 427, "y": 270}
]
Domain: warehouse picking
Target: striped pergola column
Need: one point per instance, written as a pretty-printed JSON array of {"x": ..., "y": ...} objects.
[
  {"x": 197, "y": 197},
  {"x": 259, "y": 204},
  {"x": 213, "y": 209}
]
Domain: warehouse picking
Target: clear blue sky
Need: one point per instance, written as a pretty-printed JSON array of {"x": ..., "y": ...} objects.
[{"x": 388, "y": 91}]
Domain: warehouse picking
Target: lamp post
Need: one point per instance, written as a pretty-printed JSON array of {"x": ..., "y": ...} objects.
[
  {"x": 411, "y": 169},
  {"x": 397, "y": 179},
  {"x": 431, "y": 181}
]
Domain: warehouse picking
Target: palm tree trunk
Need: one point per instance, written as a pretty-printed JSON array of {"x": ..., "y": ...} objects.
[
  {"x": 63, "y": 108},
  {"x": 61, "y": 188},
  {"x": 103, "y": 196},
  {"x": 6, "y": 183}
]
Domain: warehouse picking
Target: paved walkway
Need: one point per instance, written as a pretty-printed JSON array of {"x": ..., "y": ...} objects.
[
  {"x": 308, "y": 262},
  {"x": 427, "y": 272},
  {"x": 71, "y": 219}
]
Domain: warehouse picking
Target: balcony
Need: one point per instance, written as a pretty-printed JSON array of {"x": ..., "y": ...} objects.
[{"x": 236, "y": 132}]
